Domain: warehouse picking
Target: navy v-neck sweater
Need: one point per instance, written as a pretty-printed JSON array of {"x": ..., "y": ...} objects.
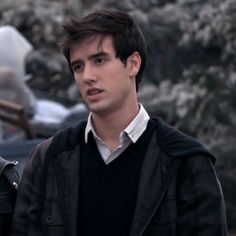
[{"x": 107, "y": 193}]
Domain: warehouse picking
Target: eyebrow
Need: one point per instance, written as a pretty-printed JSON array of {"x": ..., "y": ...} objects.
[
  {"x": 91, "y": 57},
  {"x": 99, "y": 54}
]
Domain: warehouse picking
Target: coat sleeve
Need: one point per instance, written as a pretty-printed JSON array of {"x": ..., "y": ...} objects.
[
  {"x": 6, "y": 206},
  {"x": 9, "y": 180},
  {"x": 200, "y": 203},
  {"x": 27, "y": 216}
]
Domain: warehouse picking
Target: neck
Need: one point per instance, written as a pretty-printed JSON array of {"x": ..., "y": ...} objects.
[{"x": 109, "y": 126}]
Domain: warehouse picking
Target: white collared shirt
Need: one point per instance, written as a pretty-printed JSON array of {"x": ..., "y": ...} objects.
[{"x": 129, "y": 135}]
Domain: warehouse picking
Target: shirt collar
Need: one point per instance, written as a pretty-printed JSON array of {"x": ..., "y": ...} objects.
[{"x": 134, "y": 130}]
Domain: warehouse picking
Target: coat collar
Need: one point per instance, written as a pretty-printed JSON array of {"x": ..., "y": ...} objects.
[{"x": 4, "y": 163}]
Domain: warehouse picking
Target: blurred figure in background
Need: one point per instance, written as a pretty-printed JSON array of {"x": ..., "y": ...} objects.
[{"x": 13, "y": 50}]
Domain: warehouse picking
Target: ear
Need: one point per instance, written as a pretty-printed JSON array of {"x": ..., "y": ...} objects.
[{"x": 134, "y": 63}]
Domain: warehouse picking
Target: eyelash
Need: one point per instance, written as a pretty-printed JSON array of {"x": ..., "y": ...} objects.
[
  {"x": 96, "y": 61},
  {"x": 75, "y": 68},
  {"x": 99, "y": 60}
]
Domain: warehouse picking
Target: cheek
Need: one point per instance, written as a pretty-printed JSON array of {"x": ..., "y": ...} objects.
[
  {"x": 77, "y": 81},
  {"x": 79, "y": 85}
]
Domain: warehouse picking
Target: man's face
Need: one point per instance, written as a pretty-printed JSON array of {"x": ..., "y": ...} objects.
[{"x": 105, "y": 83}]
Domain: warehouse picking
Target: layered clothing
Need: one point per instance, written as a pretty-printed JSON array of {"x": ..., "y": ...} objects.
[{"x": 178, "y": 190}]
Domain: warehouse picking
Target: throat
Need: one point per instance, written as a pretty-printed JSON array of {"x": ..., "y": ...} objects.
[{"x": 112, "y": 145}]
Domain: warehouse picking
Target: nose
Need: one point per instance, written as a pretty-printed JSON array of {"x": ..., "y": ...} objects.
[{"x": 89, "y": 74}]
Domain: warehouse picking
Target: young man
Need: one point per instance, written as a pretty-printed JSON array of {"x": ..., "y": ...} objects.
[{"x": 122, "y": 172}]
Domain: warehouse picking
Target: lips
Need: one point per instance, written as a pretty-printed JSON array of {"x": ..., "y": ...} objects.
[{"x": 93, "y": 92}]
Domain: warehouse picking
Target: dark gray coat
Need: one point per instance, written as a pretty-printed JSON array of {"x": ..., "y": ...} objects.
[{"x": 179, "y": 194}]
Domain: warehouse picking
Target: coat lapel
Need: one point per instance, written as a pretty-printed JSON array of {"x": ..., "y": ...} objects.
[
  {"x": 67, "y": 181},
  {"x": 152, "y": 185}
]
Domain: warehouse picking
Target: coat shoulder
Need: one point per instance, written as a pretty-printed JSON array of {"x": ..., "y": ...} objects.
[{"x": 177, "y": 144}]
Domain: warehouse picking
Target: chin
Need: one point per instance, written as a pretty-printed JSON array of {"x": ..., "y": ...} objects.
[{"x": 99, "y": 109}]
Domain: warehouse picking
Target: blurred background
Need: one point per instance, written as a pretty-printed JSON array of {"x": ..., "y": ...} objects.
[{"x": 190, "y": 80}]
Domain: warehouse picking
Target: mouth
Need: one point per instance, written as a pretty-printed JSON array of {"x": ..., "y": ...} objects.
[{"x": 93, "y": 93}]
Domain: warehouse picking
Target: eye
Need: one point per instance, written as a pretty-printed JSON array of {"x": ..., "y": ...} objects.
[
  {"x": 77, "y": 67},
  {"x": 99, "y": 60}
]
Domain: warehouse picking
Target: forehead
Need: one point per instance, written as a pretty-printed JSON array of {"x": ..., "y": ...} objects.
[{"x": 92, "y": 45}]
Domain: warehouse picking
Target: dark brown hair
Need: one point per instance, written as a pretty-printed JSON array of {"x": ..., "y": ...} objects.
[{"x": 126, "y": 35}]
